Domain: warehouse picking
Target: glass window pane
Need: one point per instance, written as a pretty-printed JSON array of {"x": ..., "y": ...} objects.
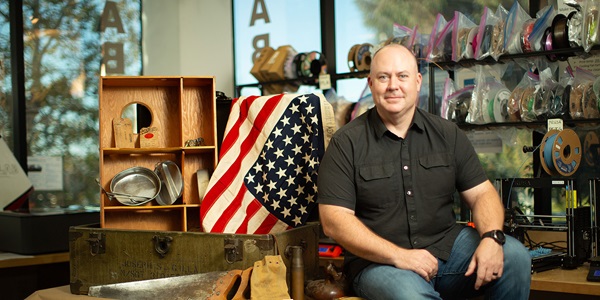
[
  {"x": 6, "y": 114},
  {"x": 258, "y": 24},
  {"x": 67, "y": 45}
]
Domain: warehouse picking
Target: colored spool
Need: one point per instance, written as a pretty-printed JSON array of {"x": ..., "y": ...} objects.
[
  {"x": 560, "y": 32},
  {"x": 363, "y": 57},
  {"x": 461, "y": 109},
  {"x": 591, "y": 151},
  {"x": 560, "y": 152},
  {"x": 486, "y": 40},
  {"x": 498, "y": 38},
  {"x": 526, "y": 104},
  {"x": 351, "y": 56},
  {"x": 309, "y": 65},
  {"x": 514, "y": 101},
  {"x": 575, "y": 98},
  {"x": 589, "y": 103},
  {"x": 298, "y": 59},
  {"x": 487, "y": 110},
  {"x": 527, "y": 29},
  {"x": 472, "y": 42},
  {"x": 547, "y": 44},
  {"x": 500, "y": 107}
]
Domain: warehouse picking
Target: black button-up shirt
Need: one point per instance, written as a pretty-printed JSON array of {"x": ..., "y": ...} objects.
[{"x": 402, "y": 189}]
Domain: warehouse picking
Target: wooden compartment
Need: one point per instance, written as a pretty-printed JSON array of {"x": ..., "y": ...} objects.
[{"x": 181, "y": 109}]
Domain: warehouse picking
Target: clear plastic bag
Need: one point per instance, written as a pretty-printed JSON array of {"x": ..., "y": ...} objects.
[
  {"x": 490, "y": 99},
  {"x": 581, "y": 92},
  {"x": 449, "y": 89},
  {"x": 543, "y": 21},
  {"x": 497, "y": 43},
  {"x": 559, "y": 105},
  {"x": 483, "y": 43},
  {"x": 513, "y": 30},
  {"x": 462, "y": 37},
  {"x": 590, "y": 34},
  {"x": 459, "y": 103},
  {"x": 438, "y": 26}
]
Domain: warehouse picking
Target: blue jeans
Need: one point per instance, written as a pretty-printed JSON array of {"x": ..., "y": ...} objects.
[{"x": 388, "y": 282}]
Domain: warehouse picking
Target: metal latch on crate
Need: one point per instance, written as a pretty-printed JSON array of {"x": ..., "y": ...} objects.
[
  {"x": 233, "y": 250},
  {"x": 162, "y": 244},
  {"x": 97, "y": 243}
]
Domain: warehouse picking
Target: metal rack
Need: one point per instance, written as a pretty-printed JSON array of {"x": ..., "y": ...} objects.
[{"x": 580, "y": 225}]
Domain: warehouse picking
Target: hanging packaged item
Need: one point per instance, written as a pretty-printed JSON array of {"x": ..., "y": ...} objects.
[
  {"x": 590, "y": 34},
  {"x": 463, "y": 35},
  {"x": 439, "y": 26},
  {"x": 582, "y": 95},
  {"x": 517, "y": 29},
  {"x": 490, "y": 99},
  {"x": 497, "y": 40}
]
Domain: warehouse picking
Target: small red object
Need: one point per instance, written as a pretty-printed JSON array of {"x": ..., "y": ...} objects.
[
  {"x": 149, "y": 135},
  {"x": 329, "y": 250}
]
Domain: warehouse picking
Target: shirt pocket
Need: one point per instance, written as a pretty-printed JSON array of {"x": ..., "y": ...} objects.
[
  {"x": 378, "y": 186},
  {"x": 436, "y": 168}
]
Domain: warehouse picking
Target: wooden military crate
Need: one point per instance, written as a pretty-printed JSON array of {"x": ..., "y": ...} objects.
[{"x": 100, "y": 256}]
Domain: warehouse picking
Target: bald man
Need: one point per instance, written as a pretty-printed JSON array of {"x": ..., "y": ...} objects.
[{"x": 386, "y": 186}]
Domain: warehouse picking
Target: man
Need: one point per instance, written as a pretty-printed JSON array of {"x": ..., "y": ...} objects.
[{"x": 386, "y": 186}]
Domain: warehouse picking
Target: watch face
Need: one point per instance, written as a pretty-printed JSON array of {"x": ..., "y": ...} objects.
[{"x": 500, "y": 237}]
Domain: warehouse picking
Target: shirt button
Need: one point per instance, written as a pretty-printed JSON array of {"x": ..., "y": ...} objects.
[
  {"x": 415, "y": 242},
  {"x": 412, "y": 217},
  {"x": 409, "y": 193},
  {"x": 405, "y": 168}
]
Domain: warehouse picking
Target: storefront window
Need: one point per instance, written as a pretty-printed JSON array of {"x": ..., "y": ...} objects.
[
  {"x": 67, "y": 46},
  {"x": 274, "y": 23},
  {"x": 6, "y": 101}
]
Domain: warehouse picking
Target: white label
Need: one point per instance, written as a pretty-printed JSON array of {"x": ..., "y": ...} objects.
[
  {"x": 555, "y": 124},
  {"x": 324, "y": 82}
]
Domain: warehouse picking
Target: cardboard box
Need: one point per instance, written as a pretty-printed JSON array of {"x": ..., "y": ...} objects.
[
  {"x": 265, "y": 54},
  {"x": 273, "y": 69}
]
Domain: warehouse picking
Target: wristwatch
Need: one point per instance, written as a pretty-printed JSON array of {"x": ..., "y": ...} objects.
[{"x": 497, "y": 235}]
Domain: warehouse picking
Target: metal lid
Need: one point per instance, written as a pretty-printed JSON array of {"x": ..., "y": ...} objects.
[
  {"x": 135, "y": 186},
  {"x": 171, "y": 182}
]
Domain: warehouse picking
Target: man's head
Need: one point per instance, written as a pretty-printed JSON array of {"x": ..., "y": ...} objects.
[{"x": 394, "y": 80}]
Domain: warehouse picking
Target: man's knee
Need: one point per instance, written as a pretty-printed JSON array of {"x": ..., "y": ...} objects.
[
  {"x": 517, "y": 259},
  {"x": 387, "y": 282}
]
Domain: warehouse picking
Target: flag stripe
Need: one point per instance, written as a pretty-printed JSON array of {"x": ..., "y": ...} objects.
[
  {"x": 232, "y": 172},
  {"x": 265, "y": 180},
  {"x": 233, "y": 132}
]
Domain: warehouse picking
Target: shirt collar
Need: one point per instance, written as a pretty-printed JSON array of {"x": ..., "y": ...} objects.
[{"x": 380, "y": 129}]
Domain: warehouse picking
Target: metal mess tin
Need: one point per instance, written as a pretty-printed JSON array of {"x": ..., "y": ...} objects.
[
  {"x": 135, "y": 186},
  {"x": 171, "y": 182}
]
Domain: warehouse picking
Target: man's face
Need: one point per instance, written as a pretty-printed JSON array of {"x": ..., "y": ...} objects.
[{"x": 394, "y": 80}]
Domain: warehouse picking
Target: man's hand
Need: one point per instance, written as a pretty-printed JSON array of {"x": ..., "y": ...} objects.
[
  {"x": 488, "y": 260},
  {"x": 419, "y": 261}
]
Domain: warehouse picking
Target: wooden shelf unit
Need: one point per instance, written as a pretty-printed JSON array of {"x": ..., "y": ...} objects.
[{"x": 182, "y": 109}]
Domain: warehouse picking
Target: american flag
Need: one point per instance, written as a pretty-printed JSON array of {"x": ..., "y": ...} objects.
[{"x": 266, "y": 179}]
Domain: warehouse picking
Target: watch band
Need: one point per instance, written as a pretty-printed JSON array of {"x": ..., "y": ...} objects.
[{"x": 496, "y": 235}]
